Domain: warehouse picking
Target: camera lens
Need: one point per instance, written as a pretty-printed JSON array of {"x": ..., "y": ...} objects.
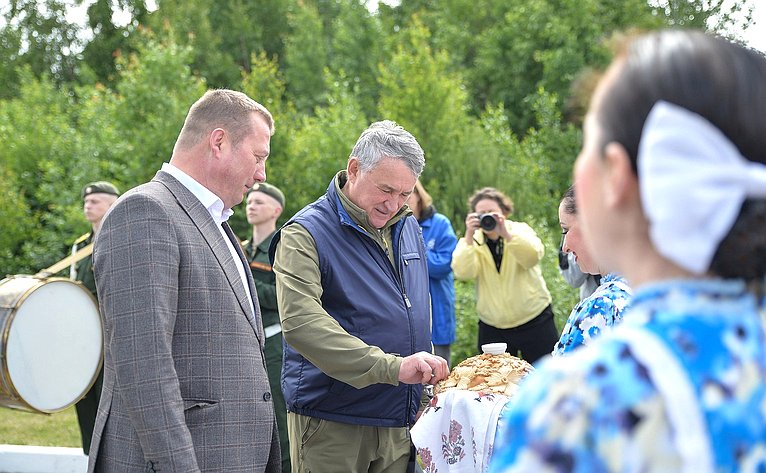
[{"x": 487, "y": 222}]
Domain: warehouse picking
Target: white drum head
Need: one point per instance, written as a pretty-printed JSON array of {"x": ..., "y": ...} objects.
[{"x": 54, "y": 345}]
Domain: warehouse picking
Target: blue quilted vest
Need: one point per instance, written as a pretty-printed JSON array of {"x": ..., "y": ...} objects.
[{"x": 369, "y": 300}]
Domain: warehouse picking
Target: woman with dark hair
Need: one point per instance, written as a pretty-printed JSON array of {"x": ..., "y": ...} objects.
[
  {"x": 671, "y": 186},
  {"x": 503, "y": 257},
  {"x": 603, "y": 308}
]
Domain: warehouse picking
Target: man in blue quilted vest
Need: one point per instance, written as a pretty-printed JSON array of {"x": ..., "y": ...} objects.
[{"x": 352, "y": 290}]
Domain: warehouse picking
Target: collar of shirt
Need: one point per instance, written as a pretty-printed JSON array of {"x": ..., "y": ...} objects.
[{"x": 212, "y": 202}]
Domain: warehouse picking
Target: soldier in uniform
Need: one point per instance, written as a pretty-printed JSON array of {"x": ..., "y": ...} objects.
[
  {"x": 265, "y": 203},
  {"x": 97, "y": 198}
]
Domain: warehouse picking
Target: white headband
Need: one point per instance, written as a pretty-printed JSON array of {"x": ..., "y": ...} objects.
[{"x": 693, "y": 181}]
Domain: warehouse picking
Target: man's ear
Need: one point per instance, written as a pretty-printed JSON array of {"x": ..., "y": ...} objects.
[
  {"x": 353, "y": 168},
  {"x": 216, "y": 140},
  {"x": 621, "y": 181}
]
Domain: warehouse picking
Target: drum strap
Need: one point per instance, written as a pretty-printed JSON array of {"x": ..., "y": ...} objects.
[{"x": 83, "y": 252}]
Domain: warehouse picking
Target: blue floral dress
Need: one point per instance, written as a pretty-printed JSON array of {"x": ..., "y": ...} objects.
[
  {"x": 594, "y": 314},
  {"x": 679, "y": 386}
]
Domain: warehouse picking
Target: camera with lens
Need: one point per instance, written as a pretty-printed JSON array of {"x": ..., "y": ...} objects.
[{"x": 487, "y": 222}]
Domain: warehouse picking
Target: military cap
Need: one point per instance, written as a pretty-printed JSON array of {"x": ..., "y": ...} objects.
[
  {"x": 270, "y": 190},
  {"x": 100, "y": 187}
]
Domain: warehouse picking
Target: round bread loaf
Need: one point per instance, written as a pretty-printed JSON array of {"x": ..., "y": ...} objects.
[{"x": 486, "y": 373}]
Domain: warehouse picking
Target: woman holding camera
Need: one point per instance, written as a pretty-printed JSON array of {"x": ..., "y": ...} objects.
[{"x": 503, "y": 256}]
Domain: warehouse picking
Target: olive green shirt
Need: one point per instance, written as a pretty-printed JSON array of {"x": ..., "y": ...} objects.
[
  {"x": 263, "y": 278},
  {"x": 307, "y": 327}
]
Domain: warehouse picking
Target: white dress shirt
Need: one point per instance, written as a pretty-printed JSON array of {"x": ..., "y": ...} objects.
[{"x": 214, "y": 205}]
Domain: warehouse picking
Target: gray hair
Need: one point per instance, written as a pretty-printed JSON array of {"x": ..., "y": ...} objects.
[
  {"x": 386, "y": 139},
  {"x": 227, "y": 109}
]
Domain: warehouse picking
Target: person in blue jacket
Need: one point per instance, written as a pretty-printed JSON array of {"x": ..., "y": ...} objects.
[{"x": 440, "y": 241}]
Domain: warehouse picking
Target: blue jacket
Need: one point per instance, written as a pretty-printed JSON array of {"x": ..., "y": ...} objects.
[
  {"x": 371, "y": 300},
  {"x": 440, "y": 241}
]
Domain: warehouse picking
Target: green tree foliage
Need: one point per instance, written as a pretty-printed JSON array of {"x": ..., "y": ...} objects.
[
  {"x": 536, "y": 170},
  {"x": 540, "y": 43},
  {"x": 155, "y": 89},
  {"x": 11, "y": 60},
  {"x": 265, "y": 81},
  {"x": 252, "y": 26},
  {"x": 719, "y": 15},
  {"x": 188, "y": 23},
  {"x": 39, "y": 137},
  {"x": 320, "y": 146},
  {"x": 306, "y": 58},
  {"x": 544, "y": 44},
  {"x": 356, "y": 49},
  {"x": 18, "y": 227},
  {"x": 110, "y": 41},
  {"x": 36, "y": 33}
]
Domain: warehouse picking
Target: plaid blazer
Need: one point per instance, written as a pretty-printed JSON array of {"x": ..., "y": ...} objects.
[{"x": 185, "y": 384}]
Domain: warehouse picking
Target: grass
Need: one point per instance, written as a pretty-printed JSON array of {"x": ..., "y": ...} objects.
[{"x": 49, "y": 430}]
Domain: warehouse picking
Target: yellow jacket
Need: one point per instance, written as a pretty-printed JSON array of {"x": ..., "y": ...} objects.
[{"x": 517, "y": 293}]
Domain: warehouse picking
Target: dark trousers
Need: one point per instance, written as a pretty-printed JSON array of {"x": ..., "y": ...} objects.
[
  {"x": 86, "y": 408},
  {"x": 529, "y": 341}
]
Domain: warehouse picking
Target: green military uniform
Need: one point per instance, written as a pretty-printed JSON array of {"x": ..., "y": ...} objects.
[
  {"x": 87, "y": 407},
  {"x": 82, "y": 271},
  {"x": 266, "y": 287}
]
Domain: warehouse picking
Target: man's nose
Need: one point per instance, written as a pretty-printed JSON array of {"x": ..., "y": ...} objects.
[
  {"x": 392, "y": 205},
  {"x": 260, "y": 173}
]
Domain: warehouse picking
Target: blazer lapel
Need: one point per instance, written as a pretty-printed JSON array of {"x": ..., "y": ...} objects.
[
  {"x": 254, "y": 321},
  {"x": 210, "y": 233}
]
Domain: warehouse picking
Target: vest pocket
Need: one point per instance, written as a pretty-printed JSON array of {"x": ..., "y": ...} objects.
[{"x": 409, "y": 257}]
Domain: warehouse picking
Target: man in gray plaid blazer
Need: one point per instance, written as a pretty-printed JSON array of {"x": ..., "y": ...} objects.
[{"x": 185, "y": 384}]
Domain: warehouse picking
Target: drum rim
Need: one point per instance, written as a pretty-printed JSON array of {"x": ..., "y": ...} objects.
[{"x": 12, "y": 391}]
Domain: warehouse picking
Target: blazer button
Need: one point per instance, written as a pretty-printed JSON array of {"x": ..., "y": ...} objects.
[{"x": 267, "y": 396}]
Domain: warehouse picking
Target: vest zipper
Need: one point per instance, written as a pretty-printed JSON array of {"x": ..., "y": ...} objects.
[
  {"x": 398, "y": 275},
  {"x": 409, "y": 324}
]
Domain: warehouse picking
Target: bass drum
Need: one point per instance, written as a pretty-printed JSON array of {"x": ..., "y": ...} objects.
[{"x": 51, "y": 341}]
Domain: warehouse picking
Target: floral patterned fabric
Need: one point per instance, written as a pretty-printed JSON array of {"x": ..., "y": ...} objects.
[
  {"x": 594, "y": 314},
  {"x": 693, "y": 400},
  {"x": 456, "y": 431}
]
